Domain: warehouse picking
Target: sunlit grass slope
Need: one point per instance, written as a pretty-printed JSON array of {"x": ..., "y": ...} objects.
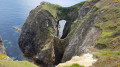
[
  {"x": 2, "y": 56},
  {"x": 5, "y": 63},
  {"x": 74, "y": 65}
]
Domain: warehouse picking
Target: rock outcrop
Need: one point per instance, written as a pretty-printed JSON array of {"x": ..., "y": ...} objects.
[
  {"x": 86, "y": 26},
  {"x": 85, "y": 33},
  {"x": 2, "y": 48},
  {"x": 38, "y": 40}
]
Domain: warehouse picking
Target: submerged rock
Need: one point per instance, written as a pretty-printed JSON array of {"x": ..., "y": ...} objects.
[{"x": 17, "y": 29}]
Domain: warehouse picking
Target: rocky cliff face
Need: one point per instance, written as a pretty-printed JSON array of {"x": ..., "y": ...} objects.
[
  {"x": 85, "y": 33},
  {"x": 38, "y": 40},
  {"x": 2, "y": 48},
  {"x": 88, "y": 24},
  {"x": 37, "y": 33}
]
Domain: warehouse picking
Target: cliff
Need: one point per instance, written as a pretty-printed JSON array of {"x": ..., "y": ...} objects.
[
  {"x": 91, "y": 27},
  {"x": 5, "y": 61},
  {"x": 2, "y": 48},
  {"x": 38, "y": 40},
  {"x": 3, "y": 55}
]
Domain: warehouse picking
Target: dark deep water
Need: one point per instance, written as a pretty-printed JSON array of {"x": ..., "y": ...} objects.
[{"x": 13, "y": 13}]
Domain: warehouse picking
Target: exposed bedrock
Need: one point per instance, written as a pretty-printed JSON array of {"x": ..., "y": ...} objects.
[
  {"x": 2, "y": 48},
  {"x": 36, "y": 41},
  {"x": 39, "y": 42}
]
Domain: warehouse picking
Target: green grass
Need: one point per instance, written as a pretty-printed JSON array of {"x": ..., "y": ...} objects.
[
  {"x": 75, "y": 21},
  {"x": 107, "y": 61},
  {"x": 104, "y": 8},
  {"x": 4, "y": 63},
  {"x": 74, "y": 65},
  {"x": 60, "y": 12},
  {"x": 2, "y": 56},
  {"x": 47, "y": 45},
  {"x": 52, "y": 8},
  {"x": 109, "y": 23},
  {"x": 109, "y": 53}
]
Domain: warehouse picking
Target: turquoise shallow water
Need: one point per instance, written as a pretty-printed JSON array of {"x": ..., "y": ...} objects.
[{"x": 13, "y": 13}]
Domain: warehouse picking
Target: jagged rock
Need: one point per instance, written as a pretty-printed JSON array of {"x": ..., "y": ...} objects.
[
  {"x": 2, "y": 48},
  {"x": 84, "y": 35},
  {"x": 36, "y": 41},
  {"x": 39, "y": 42}
]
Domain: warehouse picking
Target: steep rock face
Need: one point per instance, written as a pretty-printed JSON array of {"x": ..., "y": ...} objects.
[
  {"x": 36, "y": 41},
  {"x": 98, "y": 27},
  {"x": 84, "y": 34},
  {"x": 85, "y": 26},
  {"x": 2, "y": 48}
]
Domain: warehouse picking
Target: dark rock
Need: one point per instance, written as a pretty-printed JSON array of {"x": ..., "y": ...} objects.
[
  {"x": 100, "y": 46},
  {"x": 2, "y": 48},
  {"x": 36, "y": 39}
]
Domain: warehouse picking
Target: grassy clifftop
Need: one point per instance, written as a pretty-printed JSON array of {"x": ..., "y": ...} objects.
[
  {"x": 60, "y": 12},
  {"x": 5, "y": 61}
]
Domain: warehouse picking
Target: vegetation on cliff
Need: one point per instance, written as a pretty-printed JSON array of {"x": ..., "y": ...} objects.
[
  {"x": 60, "y": 12},
  {"x": 5, "y": 63},
  {"x": 94, "y": 24},
  {"x": 107, "y": 19},
  {"x": 74, "y": 65},
  {"x": 3, "y": 56},
  {"x": 108, "y": 44},
  {"x": 109, "y": 23}
]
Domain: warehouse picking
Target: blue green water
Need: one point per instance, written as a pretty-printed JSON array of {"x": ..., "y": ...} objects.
[{"x": 13, "y": 13}]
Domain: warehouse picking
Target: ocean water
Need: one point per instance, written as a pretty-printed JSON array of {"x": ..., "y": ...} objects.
[{"x": 13, "y": 13}]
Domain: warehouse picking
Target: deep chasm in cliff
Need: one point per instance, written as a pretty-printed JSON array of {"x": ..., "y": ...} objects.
[{"x": 91, "y": 27}]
